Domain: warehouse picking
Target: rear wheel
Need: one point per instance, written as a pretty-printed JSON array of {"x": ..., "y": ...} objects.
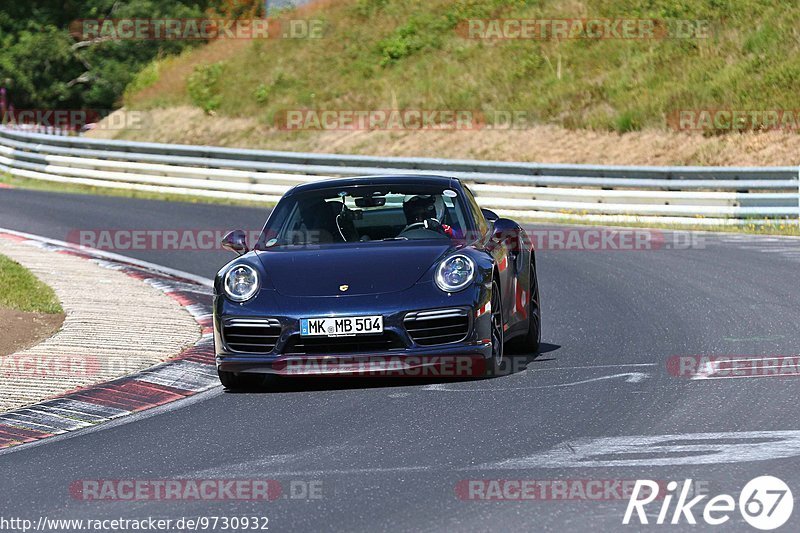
[
  {"x": 234, "y": 381},
  {"x": 532, "y": 339}
]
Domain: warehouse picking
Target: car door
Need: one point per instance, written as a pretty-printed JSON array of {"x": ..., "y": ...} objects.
[{"x": 504, "y": 258}]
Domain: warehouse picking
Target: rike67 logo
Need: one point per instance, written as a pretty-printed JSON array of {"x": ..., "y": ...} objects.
[{"x": 765, "y": 503}]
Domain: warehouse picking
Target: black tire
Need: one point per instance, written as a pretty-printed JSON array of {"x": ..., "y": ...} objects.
[
  {"x": 233, "y": 381},
  {"x": 496, "y": 332},
  {"x": 532, "y": 339}
]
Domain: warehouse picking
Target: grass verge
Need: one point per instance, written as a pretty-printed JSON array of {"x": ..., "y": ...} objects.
[
  {"x": 22, "y": 291},
  {"x": 415, "y": 54}
]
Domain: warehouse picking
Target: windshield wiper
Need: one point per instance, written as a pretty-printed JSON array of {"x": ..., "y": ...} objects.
[{"x": 395, "y": 239}]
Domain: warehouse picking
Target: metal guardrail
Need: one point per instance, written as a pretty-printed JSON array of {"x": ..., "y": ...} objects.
[{"x": 696, "y": 195}]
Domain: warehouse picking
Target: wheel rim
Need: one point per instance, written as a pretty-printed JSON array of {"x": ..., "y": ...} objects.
[{"x": 497, "y": 326}]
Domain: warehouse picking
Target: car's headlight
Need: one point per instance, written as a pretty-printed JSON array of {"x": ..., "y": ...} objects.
[
  {"x": 455, "y": 273},
  {"x": 241, "y": 283}
]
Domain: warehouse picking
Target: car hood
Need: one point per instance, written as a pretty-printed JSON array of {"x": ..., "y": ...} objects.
[{"x": 369, "y": 268}]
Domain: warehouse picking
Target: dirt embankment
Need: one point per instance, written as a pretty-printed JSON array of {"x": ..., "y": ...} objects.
[{"x": 23, "y": 330}]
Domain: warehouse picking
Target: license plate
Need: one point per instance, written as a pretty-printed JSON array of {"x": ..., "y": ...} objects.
[{"x": 341, "y": 326}]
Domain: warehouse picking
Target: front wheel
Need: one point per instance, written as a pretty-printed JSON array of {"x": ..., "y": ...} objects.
[{"x": 497, "y": 332}]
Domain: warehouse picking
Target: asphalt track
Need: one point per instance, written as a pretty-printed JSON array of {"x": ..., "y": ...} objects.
[{"x": 389, "y": 456}]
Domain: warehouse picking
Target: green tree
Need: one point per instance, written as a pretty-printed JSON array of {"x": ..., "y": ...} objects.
[{"x": 43, "y": 65}]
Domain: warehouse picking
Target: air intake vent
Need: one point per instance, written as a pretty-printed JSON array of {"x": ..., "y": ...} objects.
[
  {"x": 251, "y": 335},
  {"x": 344, "y": 345},
  {"x": 443, "y": 326}
]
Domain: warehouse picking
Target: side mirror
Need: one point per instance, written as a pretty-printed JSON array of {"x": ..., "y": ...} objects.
[
  {"x": 236, "y": 241},
  {"x": 490, "y": 215},
  {"x": 505, "y": 231}
]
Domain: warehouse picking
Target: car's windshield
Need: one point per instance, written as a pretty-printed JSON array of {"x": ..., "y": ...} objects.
[{"x": 368, "y": 214}]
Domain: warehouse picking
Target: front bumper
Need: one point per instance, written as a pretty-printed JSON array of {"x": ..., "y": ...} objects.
[
  {"x": 468, "y": 356},
  {"x": 454, "y": 362}
]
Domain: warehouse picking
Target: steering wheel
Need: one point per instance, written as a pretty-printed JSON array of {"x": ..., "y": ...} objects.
[
  {"x": 430, "y": 224},
  {"x": 415, "y": 225}
]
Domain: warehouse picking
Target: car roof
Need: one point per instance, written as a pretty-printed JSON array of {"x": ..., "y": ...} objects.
[{"x": 366, "y": 181}]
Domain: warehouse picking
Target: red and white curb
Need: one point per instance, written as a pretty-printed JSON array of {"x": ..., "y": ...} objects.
[{"x": 191, "y": 372}]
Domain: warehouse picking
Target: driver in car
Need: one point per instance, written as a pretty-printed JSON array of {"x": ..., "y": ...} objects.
[{"x": 427, "y": 211}]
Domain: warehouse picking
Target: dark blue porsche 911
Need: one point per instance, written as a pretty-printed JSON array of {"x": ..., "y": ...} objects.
[{"x": 349, "y": 274}]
